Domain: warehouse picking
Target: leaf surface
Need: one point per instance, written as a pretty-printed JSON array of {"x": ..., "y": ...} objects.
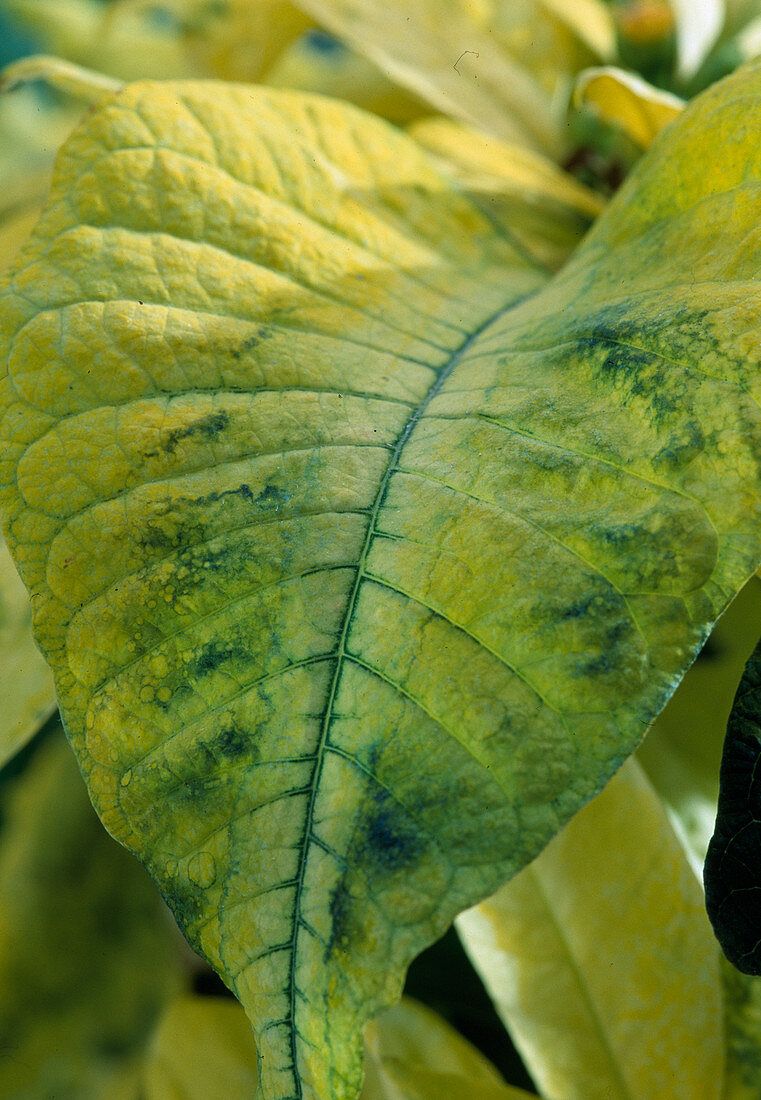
[
  {"x": 87, "y": 952},
  {"x": 682, "y": 751},
  {"x": 360, "y": 567},
  {"x": 600, "y": 961},
  {"x": 627, "y": 101},
  {"x": 544, "y": 208},
  {"x": 456, "y": 61},
  {"x": 202, "y": 1047},
  {"x": 27, "y": 695},
  {"x": 412, "y": 1054},
  {"x": 742, "y": 1024}
]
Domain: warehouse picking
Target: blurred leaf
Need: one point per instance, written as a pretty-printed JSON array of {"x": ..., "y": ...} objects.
[
  {"x": 237, "y": 39},
  {"x": 742, "y": 1022},
  {"x": 202, "y": 1048},
  {"x": 27, "y": 695},
  {"x": 682, "y": 751},
  {"x": 32, "y": 127},
  {"x": 412, "y": 1054},
  {"x": 600, "y": 959},
  {"x": 455, "y": 61},
  {"x": 318, "y": 62},
  {"x": 87, "y": 952},
  {"x": 591, "y": 21},
  {"x": 627, "y": 101},
  {"x": 17, "y": 223},
  {"x": 541, "y": 206},
  {"x": 119, "y": 38},
  {"x": 64, "y": 76},
  {"x": 698, "y": 26}
]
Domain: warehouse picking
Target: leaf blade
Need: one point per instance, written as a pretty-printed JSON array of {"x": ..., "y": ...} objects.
[
  {"x": 562, "y": 953},
  {"x": 316, "y": 389}
]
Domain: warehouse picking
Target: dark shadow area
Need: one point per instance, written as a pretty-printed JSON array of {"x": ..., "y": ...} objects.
[{"x": 444, "y": 979}]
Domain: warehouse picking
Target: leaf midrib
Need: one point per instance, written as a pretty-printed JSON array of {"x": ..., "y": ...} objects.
[{"x": 341, "y": 655}]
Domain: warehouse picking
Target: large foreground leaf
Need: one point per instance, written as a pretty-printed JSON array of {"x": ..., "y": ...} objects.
[{"x": 359, "y": 575}]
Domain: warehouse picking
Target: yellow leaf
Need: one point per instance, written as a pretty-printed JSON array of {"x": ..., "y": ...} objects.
[
  {"x": 626, "y": 101},
  {"x": 456, "y": 61},
  {"x": 544, "y": 208},
  {"x": 591, "y": 21},
  {"x": 600, "y": 959},
  {"x": 121, "y": 38},
  {"x": 412, "y": 1054},
  {"x": 202, "y": 1048},
  {"x": 65, "y": 77},
  {"x": 27, "y": 695},
  {"x": 362, "y": 560},
  {"x": 87, "y": 954},
  {"x": 682, "y": 751},
  {"x": 15, "y": 226},
  {"x": 240, "y": 39},
  {"x": 318, "y": 62}
]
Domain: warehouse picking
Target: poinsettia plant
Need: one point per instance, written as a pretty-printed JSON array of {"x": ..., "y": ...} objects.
[{"x": 376, "y": 482}]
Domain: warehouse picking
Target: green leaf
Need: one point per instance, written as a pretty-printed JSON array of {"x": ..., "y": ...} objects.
[
  {"x": 27, "y": 695},
  {"x": 87, "y": 952},
  {"x": 360, "y": 573},
  {"x": 733, "y": 867},
  {"x": 599, "y": 958}
]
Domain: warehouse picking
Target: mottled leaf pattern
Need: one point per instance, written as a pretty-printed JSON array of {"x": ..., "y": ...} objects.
[{"x": 362, "y": 560}]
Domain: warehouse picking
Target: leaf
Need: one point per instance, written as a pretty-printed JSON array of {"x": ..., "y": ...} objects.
[
  {"x": 590, "y": 20},
  {"x": 361, "y": 570},
  {"x": 237, "y": 40},
  {"x": 600, "y": 961},
  {"x": 446, "y": 56},
  {"x": 732, "y": 867},
  {"x": 682, "y": 751},
  {"x": 412, "y": 1054},
  {"x": 540, "y": 205},
  {"x": 318, "y": 62},
  {"x": 87, "y": 956},
  {"x": 698, "y": 25},
  {"x": 202, "y": 1047},
  {"x": 27, "y": 695},
  {"x": 116, "y": 38},
  {"x": 625, "y": 100},
  {"x": 15, "y": 227},
  {"x": 742, "y": 1023}
]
